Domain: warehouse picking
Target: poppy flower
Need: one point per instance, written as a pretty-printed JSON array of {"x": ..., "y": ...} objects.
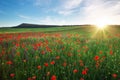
[
  {"x": 100, "y": 52},
  {"x": 39, "y": 67},
  {"x": 57, "y": 57},
  {"x": 53, "y": 77},
  {"x": 34, "y": 77},
  {"x": 43, "y": 52},
  {"x": 12, "y": 75},
  {"x": 84, "y": 72},
  {"x": 111, "y": 52},
  {"x": 46, "y": 64},
  {"x": 9, "y": 62},
  {"x": 81, "y": 78},
  {"x": 52, "y": 62},
  {"x": 114, "y": 75},
  {"x": 64, "y": 64},
  {"x": 96, "y": 58},
  {"x": 75, "y": 71}
]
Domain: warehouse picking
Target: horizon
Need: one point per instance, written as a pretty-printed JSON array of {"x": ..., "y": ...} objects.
[{"x": 60, "y": 12}]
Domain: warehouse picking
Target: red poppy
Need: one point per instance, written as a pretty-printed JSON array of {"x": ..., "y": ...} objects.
[
  {"x": 86, "y": 69},
  {"x": 39, "y": 67},
  {"x": 96, "y": 58},
  {"x": 9, "y": 62},
  {"x": 64, "y": 64},
  {"x": 114, "y": 75},
  {"x": 84, "y": 72},
  {"x": 43, "y": 52},
  {"x": 81, "y": 78},
  {"x": 111, "y": 52},
  {"x": 52, "y": 62},
  {"x": 17, "y": 44},
  {"x": 12, "y": 75},
  {"x": 57, "y": 57},
  {"x": 34, "y": 77},
  {"x": 75, "y": 71},
  {"x": 46, "y": 64},
  {"x": 100, "y": 52},
  {"x": 53, "y": 77}
]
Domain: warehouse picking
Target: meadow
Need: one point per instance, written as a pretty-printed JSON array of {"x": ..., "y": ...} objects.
[{"x": 60, "y": 53}]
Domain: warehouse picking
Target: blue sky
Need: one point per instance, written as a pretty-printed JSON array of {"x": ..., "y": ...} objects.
[{"x": 60, "y": 12}]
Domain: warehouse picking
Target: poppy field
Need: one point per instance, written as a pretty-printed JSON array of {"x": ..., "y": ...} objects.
[{"x": 60, "y": 54}]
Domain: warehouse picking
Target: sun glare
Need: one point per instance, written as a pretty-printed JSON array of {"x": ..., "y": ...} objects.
[
  {"x": 101, "y": 26},
  {"x": 102, "y": 23}
]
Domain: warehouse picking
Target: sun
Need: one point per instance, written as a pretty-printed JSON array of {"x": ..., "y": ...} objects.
[{"x": 101, "y": 23}]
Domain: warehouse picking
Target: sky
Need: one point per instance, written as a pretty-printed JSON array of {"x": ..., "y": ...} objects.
[{"x": 59, "y": 12}]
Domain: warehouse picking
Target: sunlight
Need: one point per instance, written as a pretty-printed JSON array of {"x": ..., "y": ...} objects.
[
  {"x": 101, "y": 26},
  {"x": 102, "y": 23}
]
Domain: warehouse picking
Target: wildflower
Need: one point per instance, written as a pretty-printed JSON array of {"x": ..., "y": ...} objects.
[
  {"x": 48, "y": 73},
  {"x": 114, "y": 75},
  {"x": 57, "y": 57},
  {"x": 43, "y": 52},
  {"x": 12, "y": 75},
  {"x": 111, "y": 52},
  {"x": 75, "y": 71},
  {"x": 69, "y": 54},
  {"x": 46, "y": 64},
  {"x": 86, "y": 69},
  {"x": 48, "y": 49},
  {"x": 96, "y": 58},
  {"x": 17, "y": 44},
  {"x": 24, "y": 60},
  {"x": 34, "y": 78},
  {"x": 81, "y": 78},
  {"x": 39, "y": 67},
  {"x": 52, "y": 62},
  {"x": 64, "y": 64},
  {"x": 81, "y": 63},
  {"x": 18, "y": 54},
  {"x": 53, "y": 77},
  {"x": 100, "y": 52},
  {"x": 84, "y": 72},
  {"x": 9, "y": 62}
]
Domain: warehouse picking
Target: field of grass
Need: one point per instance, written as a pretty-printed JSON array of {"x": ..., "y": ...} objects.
[{"x": 63, "y": 53}]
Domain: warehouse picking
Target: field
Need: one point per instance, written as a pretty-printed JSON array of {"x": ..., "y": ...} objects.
[{"x": 61, "y": 53}]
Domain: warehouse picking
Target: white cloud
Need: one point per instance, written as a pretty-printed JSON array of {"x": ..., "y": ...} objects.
[
  {"x": 52, "y": 21},
  {"x": 91, "y": 12},
  {"x": 97, "y": 11},
  {"x": 68, "y": 6},
  {"x": 71, "y": 4}
]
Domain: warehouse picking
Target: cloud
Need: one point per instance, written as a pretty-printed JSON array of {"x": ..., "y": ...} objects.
[
  {"x": 50, "y": 21},
  {"x": 80, "y": 12},
  {"x": 24, "y": 17},
  {"x": 69, "y": 6},
  {"x": 97, "y": 10}
]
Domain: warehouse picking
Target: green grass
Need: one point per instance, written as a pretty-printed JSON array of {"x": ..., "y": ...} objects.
[{"x": 73, "y": 49}]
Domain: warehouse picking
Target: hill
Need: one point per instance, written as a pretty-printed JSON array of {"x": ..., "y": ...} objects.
[{"x": 26, "y": 25}]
